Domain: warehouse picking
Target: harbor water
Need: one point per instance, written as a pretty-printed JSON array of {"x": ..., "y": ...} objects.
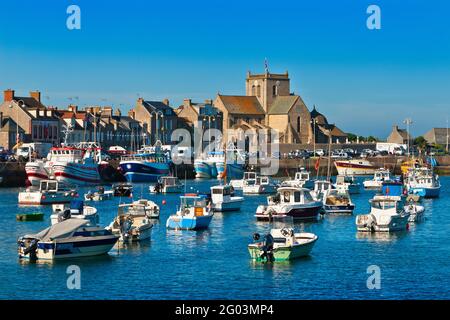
[{"x": 215, "y": 264}]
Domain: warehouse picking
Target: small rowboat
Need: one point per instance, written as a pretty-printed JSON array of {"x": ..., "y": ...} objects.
[{"x": 30, "y": 216}]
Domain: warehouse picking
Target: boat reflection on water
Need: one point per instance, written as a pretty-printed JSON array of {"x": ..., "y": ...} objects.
[
  {"x": 381, "y": 236},
  {"x": 281, "y": 267},
  {"x": 135, "y": 247},
  {"x": 183, "y": 239}
]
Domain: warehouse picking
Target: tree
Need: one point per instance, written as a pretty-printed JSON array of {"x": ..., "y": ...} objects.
[
  {"x": 351, "y": 137},
  {"x": 420, "y": 143}
]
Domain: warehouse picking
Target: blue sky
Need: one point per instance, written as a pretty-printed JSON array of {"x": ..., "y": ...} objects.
[{"x": 364, "y": 81}]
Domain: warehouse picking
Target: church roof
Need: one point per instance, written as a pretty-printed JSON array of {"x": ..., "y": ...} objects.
[
  {"x": 242, "y": 105},
  {"x": 282, "y": 104},
  {"x": 320, "y": 118}
]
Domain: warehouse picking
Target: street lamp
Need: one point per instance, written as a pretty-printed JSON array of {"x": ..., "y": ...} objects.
[
  {"x": 17, "y": 118},
  {"x": 209, "y": 117},
  {"x": 156, "y": 121},
  {"x": 408, "y": 122},
  {"x": 313, "y": 121}
]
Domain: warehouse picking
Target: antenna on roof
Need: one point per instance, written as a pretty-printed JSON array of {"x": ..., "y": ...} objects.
[{"x": 266, "y": 65}]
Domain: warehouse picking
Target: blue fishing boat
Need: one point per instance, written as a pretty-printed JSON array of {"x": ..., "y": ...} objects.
[
  {"x": 193, "y": 214},
  {"x": 423, "y": 182},
  {"x": 147, "y": 165}
]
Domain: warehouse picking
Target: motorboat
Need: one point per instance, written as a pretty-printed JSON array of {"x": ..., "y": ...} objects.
[
  {"x": 167, "y": 184},
  {"x": 302, "y": 179},
  {"x": 144, "y": 206},
  {"x": 132, "y": 223},
  {"x": 423, "y": 182},
  {"x": 281, "y": 245},
  {"x": 49, "y": 192},
  {"x": 100, "y": 195},
  {"x": 379, "y": 176},
  {"x": 222, "y": 199},
  {"x": 193, "y": 214},
  {"x": 416, "y": 211},
  {"x": 238, "y": 184},
  {"x": 260, "y": 185},
  {"x": 386, "y": 215},
  {"x": 338, "y": 202},
  {"x": 123, "y": 190},
  {"x": 348, "y": 183},
  {"x": 289, "y": 202},
  {"x": 70, "y": 238},
  {"x": 147, "y": 165},
  {"x": 354, "y": 167},
  {"x": 321, "y": 189},
  {"x": 76, "y": 210}
]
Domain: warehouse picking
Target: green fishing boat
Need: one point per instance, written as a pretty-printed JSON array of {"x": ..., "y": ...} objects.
[
  {"x": 38, "y": 216},
  {"x": 281, "y": 244}
]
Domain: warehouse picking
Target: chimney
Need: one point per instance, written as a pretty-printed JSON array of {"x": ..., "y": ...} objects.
[
  {"x": 187, "y": 102},
  {"x": 73, "y": 108},
  {"x": 131, "y": 113},
  {"x": 8, "y": 95},
  {"x": 36, "y": 95},
  {"x": 166, "y": 101},
  {"x": 118, "y": 112}
]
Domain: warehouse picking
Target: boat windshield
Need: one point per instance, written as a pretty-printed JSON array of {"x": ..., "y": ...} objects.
[
  {"x": 307, "y": 197},
  {"x": 384, "y": 204},
  {"x": 188, "y": 202}
]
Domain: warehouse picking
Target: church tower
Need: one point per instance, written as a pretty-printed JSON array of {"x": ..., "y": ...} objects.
[{"x": 267, "y": 86}]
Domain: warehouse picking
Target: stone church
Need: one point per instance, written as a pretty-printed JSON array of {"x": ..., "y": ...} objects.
[{"x": 269, "y": 104}]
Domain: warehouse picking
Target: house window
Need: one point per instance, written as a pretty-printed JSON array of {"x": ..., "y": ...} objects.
[
  {"x": 298, "y": 124},
  {"x": 258, "y": 90},
  {"x": 275, "y": 90},
  {"x": 253, "y": 90}
]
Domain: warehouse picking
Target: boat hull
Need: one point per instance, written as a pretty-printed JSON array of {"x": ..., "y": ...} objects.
[
  {"x": 353, "y": 168},
  {"x": 39, "y": 198},
  {"x": 398, "y": 223},
  {"x": 188, "y": 223},
  {"x": 426, "y": 192},
  {"x": 283, "y": 253},
  {"x": 234, "y": 170},
  {"x": 76, "y": 174},
  {"x": 344, "y": 209},
  {"x": 36, "y": 172},
  {"x": 205, "y": 170},
  {"x": 234, "y": 205},
  {"x": 302, "y": 213},
  {"x": 142, "y": 171},
  {"x": 66, "y": 250}
]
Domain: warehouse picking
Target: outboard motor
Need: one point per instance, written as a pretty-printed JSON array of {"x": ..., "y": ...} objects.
[
  {"x": 267, "y": 248},
  {"x": 64, "y": 215},
  {"x": 31, "y": 250}
]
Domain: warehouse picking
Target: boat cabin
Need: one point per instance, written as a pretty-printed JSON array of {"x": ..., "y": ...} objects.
[
  {"x": 322, "y": 186},
  {"x": 134, "y": 209},
  {"x": 50, "y": 186},
  {"x": 341, "y": 179},
  {"x": 169, "y": 181},
  {"x": 221, "y": 193},
  {"x": 302, "y": 176},
  {"x": 249, "y": 176},
  {"x": 386, "y": 204},
  {"x": 289, "y": 195},
  {"x": 382, "y": 175}
]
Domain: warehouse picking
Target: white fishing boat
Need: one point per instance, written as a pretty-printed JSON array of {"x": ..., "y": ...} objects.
[
  {"x": 281, "y": 245},
  {"x": 348, "y": 183},
  {"x": 386, "y": 215},
  {"x": 193, "y": 214},
  {"x": 167, "y": 184},
  {"x": 354, "y": 167},
  {"x": 338, "y": 202},
  {"x": 238, "y": 184},
  {"x": 289, "y": 202},
  {"x": 144, "y": 206},
  {"x": 49, "y": 192},
  {"x": 70, "y": 238},
  {"x": 75, "y": 210},
  {"x": 132, "y": 223},
  {"x": 302, "y": 179},
  {"x": 100, "y": 195},
  {"x": 260, "y": 185},
  {"x": 379, "y": 177},
  {"x": 222, "y": 199}
]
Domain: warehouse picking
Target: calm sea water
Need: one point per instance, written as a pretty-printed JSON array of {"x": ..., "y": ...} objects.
[{"x": 215, "y": 264}]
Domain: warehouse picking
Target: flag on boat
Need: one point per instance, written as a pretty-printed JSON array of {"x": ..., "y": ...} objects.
[{"x": 317, "y": 165}]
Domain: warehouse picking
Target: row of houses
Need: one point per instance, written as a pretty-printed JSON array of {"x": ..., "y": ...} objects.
[
  {"x": 268, "y": 104},
  {"x": 435, "y": 136}
]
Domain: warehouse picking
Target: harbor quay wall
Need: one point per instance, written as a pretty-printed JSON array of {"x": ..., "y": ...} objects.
[{"x": 13, "y": 174}]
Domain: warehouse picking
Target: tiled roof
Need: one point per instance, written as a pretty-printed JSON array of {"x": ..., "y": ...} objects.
[
  {"x": 242, "y": 105},
  {"x": 158, "y": 105},
  {"x": 282, "y": 104}
]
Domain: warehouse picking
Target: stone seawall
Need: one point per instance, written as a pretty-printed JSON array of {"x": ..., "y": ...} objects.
[{"x": 13, "y": 173}]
